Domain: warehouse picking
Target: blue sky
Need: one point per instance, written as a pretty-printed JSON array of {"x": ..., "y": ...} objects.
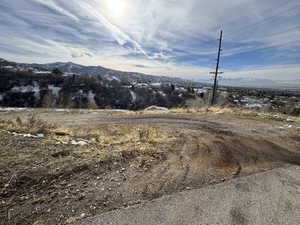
[{"x": 164, "y": 37}]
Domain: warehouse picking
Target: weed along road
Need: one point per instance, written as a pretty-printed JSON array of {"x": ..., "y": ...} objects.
[
  {"x": 271, "y": 198},
  {"x": 181, "y": 166}
]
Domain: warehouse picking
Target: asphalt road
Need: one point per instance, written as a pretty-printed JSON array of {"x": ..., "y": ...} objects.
[{"x": 269, "y": 198}]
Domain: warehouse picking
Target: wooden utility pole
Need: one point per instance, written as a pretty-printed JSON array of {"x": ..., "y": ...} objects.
[{"x": 217, "y": 70}]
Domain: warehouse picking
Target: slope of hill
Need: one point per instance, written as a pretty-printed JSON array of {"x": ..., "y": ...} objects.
[
  {"x": 69, "y": 67},
  {"x": 38, "y": 85}
]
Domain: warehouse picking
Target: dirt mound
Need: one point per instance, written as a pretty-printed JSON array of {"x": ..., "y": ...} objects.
[
  {"x": 194, "y": 159},
  {"x": 201, "y": 159},
  {"x": 275, "y": 193}
]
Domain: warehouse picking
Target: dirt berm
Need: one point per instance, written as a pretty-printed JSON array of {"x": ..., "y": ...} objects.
[{"x": 271, "y": 198}]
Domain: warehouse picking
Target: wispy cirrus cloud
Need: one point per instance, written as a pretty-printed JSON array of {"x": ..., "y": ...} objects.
[{"x": 161, "y": 36}]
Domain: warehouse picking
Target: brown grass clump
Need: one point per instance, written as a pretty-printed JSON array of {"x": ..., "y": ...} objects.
[
  {"x": 116, "y": 134},
  {"x": 32, "y": 125}
]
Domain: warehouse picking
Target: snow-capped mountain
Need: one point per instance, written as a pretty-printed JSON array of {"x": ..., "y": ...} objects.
[{"x": 69, "y": 67}]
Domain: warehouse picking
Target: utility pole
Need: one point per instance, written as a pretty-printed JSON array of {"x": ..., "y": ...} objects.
[{"x": 217, "y": 70}]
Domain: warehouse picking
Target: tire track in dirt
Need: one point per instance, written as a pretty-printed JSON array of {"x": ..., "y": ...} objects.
[
  {"x": 206, "y": 150},
  {"x": 204, "y": 158},
  {"x": 169, "y": 121}
]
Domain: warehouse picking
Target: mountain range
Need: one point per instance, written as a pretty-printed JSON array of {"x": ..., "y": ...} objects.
[
  {"x": 132, "y": 77},
  {"x": 69, "y": 67}
]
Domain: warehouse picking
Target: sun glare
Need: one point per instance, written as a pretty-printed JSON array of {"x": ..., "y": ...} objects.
[{"x": 116, "y": 8}]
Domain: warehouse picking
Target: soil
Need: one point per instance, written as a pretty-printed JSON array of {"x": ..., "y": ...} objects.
[{"x": 205, "y": 150}]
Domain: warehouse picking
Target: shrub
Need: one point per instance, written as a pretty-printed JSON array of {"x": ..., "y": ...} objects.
[{"x": 32, "y": 125}]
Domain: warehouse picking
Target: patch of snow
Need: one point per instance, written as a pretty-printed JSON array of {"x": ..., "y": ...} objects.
[
  {"x": 8, "y": 67},
  {"x": 26, "y": 89},
  {"x": 180, "y": 89},
  {"x": 154, "y": 107},
  {"x": 61, "y": 110},
  {"x": 11, "y": 109},
  {"x": 254, "y": 106},
  {"x": 156, "y": 84},
  {"x": 61, "y": 142},
  {"x": 142, "y": 85},
  {"x": 289, "y": 120},
  {"x": 162, "y": 93},
  {"x": 286, "y": 126},
  {"x": 40, "y": 135},
  {"x": 68, "y": 74},
  {"x": 22, "y": 89},
  {"x": 23, "y": 135},
  {"x": 41, "y": 72},
  {"x": 91, "y": 96},
  {"x": 115, "y": 78},
  {"x": 55, "y": 90},
  {"x": 200, "y": 90},
  {"x": 78, "y": 143},
  {"x": 119, "y": 110},
  {"x": 111, "y": 78},
  {"x": 36, "y": 91},
  {"x": 73, "y": 142},
  {"x": 133, "y": 96}
]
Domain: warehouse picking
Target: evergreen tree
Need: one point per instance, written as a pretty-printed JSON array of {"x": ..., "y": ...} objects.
[{"x": 56, "y": 71}]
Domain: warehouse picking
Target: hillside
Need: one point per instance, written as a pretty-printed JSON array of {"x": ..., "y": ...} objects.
[
  {"x": 76, "y": 86},
  {"x": 72, "y": 68}
]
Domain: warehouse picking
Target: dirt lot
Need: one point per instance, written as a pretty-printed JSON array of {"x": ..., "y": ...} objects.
[{"x": 95, "y": 161}]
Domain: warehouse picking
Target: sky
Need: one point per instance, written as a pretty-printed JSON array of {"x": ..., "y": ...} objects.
[{"x": 160, "y": 37}]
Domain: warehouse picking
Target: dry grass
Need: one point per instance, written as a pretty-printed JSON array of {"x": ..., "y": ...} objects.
[
  {"x": 116, "y": 142},
  {"x": 105, "y": 142},
  {"x": 225, "y": 110},
  {"x": 32, "y": 125},
  {"x": 109, "y": 134},
  {"x": 203, "y": 110},
  {"x": 116, "y": 134}
]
